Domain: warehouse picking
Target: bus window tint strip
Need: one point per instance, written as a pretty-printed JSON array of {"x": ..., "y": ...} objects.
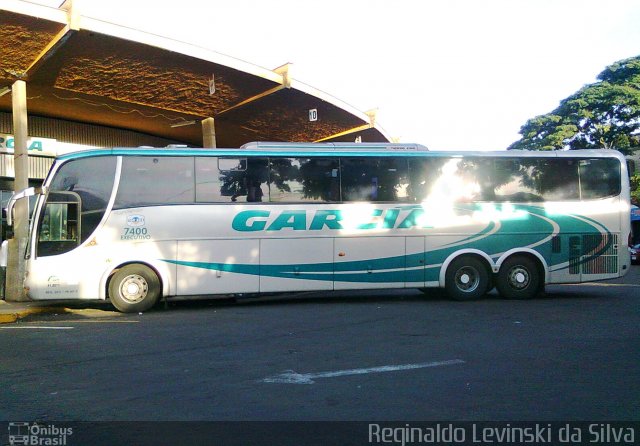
[{"x": 186, "y": 180}]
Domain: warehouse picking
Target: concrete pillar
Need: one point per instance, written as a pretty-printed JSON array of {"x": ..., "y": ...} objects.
[
  {"x": 16, "y": 262},
  {"x": 208, "y": 133}
]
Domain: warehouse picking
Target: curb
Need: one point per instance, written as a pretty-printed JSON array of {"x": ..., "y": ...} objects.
[
  {"x": 8, "y": 318},
  {"x": 14, "y": 316}
]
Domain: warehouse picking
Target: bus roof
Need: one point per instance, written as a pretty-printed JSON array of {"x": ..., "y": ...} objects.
[
  {"x": 332, "y": 149},
  {"x": 342, "y": 146}
]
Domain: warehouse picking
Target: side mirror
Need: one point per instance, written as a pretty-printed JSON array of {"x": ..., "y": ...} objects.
[{"x": 28, "y": 192}]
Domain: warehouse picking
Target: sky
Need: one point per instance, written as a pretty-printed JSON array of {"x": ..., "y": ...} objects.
[{"x": 450, "y": 74}]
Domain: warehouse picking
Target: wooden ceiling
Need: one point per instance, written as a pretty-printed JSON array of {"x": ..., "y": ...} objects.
[{"x": 80, "y": 69}]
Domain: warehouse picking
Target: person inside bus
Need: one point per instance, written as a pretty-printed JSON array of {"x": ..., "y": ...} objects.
[{"x": 254, "y": 193}]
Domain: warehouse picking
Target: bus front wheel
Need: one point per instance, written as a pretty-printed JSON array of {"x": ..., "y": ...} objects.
[
  {"x": 134, "y": 288},
  {"x": 519, "y": 278},
  {"x": 467, "y": 278}
]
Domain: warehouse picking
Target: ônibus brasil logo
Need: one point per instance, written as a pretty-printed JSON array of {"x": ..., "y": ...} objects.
[{"x": 32, "y": 434}]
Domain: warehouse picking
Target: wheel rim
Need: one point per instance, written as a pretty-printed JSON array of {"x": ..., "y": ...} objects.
[
  {"x": 467, "y": 279},
  {"x": 134, "y": 288},
  {"x": 519, "y": 278}
]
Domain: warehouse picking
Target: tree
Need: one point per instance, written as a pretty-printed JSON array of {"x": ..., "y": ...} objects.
[
  {"x": 635, "y": 188},
  {"x": 602, "y": 115}
]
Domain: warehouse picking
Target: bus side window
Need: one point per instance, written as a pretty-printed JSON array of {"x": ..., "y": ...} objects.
[
  {"x": 359, "y": 179},
  {"x": 172, "y": 178},
  {"x": 373, "y": 179},
  {"x": 300, "y": 180},
  {"x": 424, "y": 175},
  {"x": 517, "y": 180},
  {"x": 219, "y": 180},
  {"x": 558, "y": 179},
  {"x": 250, "y": 185},
  {"x": 321, "y": 178},
  {"x": 479, "y": 177},
  {"x": 599, "y": 178},
  {"x": 394, "y": 180}
]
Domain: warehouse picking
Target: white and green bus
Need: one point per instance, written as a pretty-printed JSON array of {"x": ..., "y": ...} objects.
[{"x": 135, "y": 225}]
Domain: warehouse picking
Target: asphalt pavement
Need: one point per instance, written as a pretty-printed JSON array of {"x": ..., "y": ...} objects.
[{"x": 365, "y": 357}]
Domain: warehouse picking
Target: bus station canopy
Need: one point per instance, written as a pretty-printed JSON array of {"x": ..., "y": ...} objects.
[{"x": 85, "y": 70}]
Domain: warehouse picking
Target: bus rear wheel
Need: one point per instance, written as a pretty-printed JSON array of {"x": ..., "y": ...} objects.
[
  {"x": 519, "y": 278},
  {"x": 134, "y": 288},
  {"x": 467, "y": 278}
]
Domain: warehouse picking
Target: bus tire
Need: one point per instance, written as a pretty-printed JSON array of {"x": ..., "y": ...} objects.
[
  {"x": 467, "y": 278},
  {"x": 134, "y": 288},
  {"x": 519, "y": 278}
]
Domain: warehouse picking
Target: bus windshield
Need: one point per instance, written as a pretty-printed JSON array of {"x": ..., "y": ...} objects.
[{"x": 75, "y": 204}]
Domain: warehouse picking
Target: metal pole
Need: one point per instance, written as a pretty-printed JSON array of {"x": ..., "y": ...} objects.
[{"x": 17, "y": 245}]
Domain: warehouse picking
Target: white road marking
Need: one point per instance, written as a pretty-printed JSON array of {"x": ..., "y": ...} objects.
[
  {"x": 35, "y": 327},
  {"x": 98, "y": 321},
  {"x": 291, "y": 377}
]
